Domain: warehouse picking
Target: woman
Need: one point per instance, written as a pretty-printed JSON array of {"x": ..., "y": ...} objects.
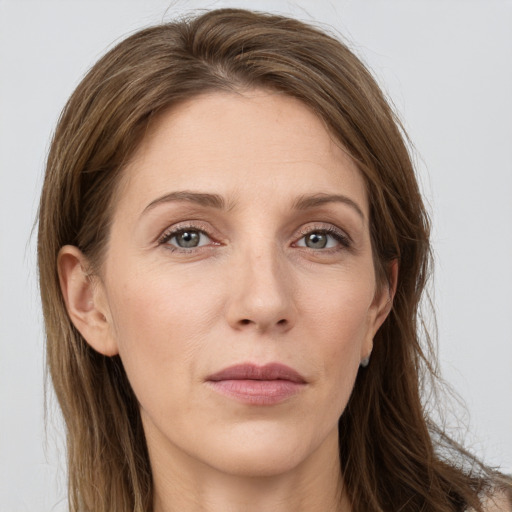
[{"x": 232, "y": 249}]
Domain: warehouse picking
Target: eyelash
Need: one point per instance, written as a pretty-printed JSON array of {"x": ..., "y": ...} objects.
[
  {"x": 175, "y": 231},
  {"x": 344, "y": 240}
]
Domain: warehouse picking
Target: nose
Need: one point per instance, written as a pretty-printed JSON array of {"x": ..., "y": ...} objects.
[{"x": 261, "y": 297}]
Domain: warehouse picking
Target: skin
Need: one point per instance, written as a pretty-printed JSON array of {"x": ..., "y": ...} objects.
[{"x": 252, "y": 291}]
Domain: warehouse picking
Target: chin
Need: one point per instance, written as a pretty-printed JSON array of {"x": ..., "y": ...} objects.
[
  {"x": 265, "y": 451},
  {"x": 258, "y": 462}
]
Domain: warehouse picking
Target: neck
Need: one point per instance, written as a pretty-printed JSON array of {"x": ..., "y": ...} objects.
[{"x": 187, "y": 485}]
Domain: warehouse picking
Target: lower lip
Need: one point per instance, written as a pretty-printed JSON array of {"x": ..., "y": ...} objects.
[{"x": 258, "y": 392}]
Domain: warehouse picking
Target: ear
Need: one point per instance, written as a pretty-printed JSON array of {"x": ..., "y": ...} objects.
[
  {"x": 381, "y": 306},
  {"x": 86, "y": 300}
]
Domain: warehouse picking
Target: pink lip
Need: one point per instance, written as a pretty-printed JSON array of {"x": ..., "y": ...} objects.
[{"x": 258, "y": 385}]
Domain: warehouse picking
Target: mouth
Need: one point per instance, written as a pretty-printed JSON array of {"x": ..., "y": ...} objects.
[{"x": 258, "y": 385}]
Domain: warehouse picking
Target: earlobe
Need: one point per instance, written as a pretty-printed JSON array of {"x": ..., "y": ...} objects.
[{"x": 85, "y": 300}]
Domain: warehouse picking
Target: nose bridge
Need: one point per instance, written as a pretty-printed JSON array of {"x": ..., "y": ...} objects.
[{"x": 262, "y": 289}]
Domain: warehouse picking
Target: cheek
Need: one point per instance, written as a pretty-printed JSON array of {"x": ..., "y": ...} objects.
[
  {"x": 338, "y": 322},
  {"x": 160, "y": 325},
  {"x": 340, "y": 310}
]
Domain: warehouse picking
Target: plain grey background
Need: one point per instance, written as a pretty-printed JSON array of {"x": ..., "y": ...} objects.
[{"x": 446, "y": 65}]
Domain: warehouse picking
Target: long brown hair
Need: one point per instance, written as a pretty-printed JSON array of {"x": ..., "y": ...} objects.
[{"x": 390, "y": 452}]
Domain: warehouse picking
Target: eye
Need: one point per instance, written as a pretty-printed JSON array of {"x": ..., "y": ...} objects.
[
  {"x": 323, "y": 239},
  {"x": 187, "y": 238}
]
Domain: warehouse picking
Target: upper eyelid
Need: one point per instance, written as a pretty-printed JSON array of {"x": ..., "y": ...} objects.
[
  {"x": 179, "y": 227},
  {"x": 318, "y": 227},
  {"x": 171, "y": 233},
  {"x": 327, "y": 228},
  {"x": 206, "y": 229}
]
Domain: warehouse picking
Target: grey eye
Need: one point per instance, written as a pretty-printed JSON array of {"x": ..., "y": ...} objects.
[
  {"x": 321, "y": 239},
  {"x": 316, "y": 240},
  {"x": 187, "y": 239}
]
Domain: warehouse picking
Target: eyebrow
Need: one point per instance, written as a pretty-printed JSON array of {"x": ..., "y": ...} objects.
[
  {"x": 202, "y": 199},
  {"x": 303, "y": 202}
]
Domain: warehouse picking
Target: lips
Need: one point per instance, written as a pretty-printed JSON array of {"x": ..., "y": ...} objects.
[
  {"x": 272, "y": 371},
  {"x": 258, "y": 385}
]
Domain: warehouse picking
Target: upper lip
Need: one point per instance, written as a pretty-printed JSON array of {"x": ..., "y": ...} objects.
[{"x": 249, "y": 371}]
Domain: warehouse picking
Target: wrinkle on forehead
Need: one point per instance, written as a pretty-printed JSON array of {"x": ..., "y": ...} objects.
[{"x": 187, "y": 133}]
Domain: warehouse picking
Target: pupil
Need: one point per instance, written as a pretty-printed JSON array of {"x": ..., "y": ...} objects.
[
  {"x": 316, "y": 241},
  {"x": 188, "y": 239}
]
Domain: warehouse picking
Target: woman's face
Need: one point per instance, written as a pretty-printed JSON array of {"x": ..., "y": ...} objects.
[{"x": 240, "y": 237}]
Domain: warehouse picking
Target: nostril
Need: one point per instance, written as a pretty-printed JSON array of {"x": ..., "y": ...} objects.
[
  {"x": 245, "y": 321},
  {"x": 283, "y": 321}
]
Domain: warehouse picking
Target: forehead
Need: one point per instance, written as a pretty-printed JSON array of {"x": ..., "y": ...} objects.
[{"x": 259, "y": 143}]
